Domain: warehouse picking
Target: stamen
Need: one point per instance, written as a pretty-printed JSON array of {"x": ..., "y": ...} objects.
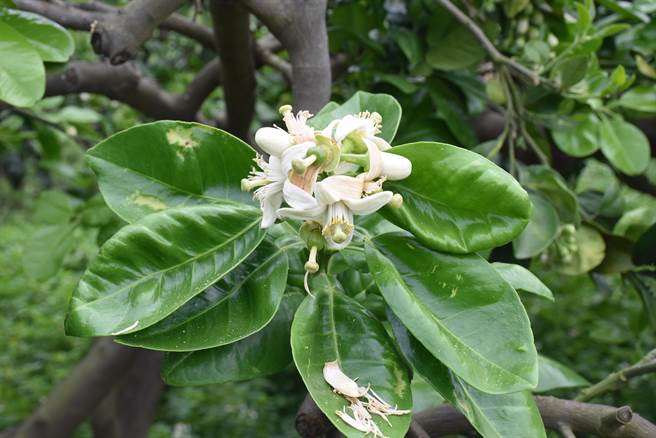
[
  {"x": 249, "y": 184},
  {"x": 301, "y": 165}
]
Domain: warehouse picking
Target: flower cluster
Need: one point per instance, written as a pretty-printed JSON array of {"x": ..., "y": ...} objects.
[{"x": 324, "y": 177}]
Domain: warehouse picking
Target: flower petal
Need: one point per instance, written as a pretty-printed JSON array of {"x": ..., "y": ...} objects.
[
  {"x": 375, "y": 160},
  {"x": 273, "y": 141},
  {"x": 338, "y": 187},
  {"x": 369, "y": 204},
  {"x": 395, "y": 167},
  {"x": 298, "y": 198},
  {"x": 347, "y": 125},
  {"x": 270, "y": 206},
  {"x": 381, "y": 143},
  {"x": 315, "y": 214}
]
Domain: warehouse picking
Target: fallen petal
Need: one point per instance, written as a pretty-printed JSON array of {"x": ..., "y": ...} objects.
[{"x": 342, "y": 383}]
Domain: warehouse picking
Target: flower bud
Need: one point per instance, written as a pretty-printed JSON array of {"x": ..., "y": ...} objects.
[
  {"x": 395, "y": 167},
  {"x": 397, "y": 201},
  {"x": 273, "y": 141}
]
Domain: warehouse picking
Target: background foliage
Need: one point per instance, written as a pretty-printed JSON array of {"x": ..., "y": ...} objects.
[{"x": 592, "y": 119}]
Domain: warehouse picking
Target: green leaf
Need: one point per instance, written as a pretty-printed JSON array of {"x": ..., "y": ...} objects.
[
  {"x": 165, "y": 164},
  {"x": 577, "y": 135},
  {"x": 589, "y": 253},
  {"x": 238, "y": 305},
  {"x": 147, "y": 270},
  {"x": 331, "y": 326},
  {"x": 22, "y": 75},
  {"x": 460, "y": 309},
  {"x": 449, "y": 109},
  {"x": 410, "y": 44},
  {"x": 555, "y": 375},
  {"x": 49, "y": 39},
  {"x": 53, "y": 207},
  {"x": 262, "y": 353},
  {"x": 640, "y": 98},
  {"x": 521, "y": 278},
  {"x": 634, "y": 223},
  {"x": 457, "y": 201},
  {"x": 493, "y": 415},
  {"x": 624, "y": 145},
  {"x": 549, "y": 183},
  {"x": 384, "y": 104},
  {"x": 46, "y": 249},
  {"x": 77, "y": 115},
  {"x": 570, "y": 70},
  {"x": 540, "y": 231},
  {"x": 451, "y": 45}
]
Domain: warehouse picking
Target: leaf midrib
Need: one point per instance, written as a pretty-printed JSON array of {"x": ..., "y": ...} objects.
[
  {"x": 444, "y": 328},
  {"x": 232, "y": 292},
  {"x": 154, "y": 273}
]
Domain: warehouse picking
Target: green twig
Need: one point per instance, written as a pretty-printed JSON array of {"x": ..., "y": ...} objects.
[
  {"x": 645, "y": 366},
  {"x": 491, "y": 50}
]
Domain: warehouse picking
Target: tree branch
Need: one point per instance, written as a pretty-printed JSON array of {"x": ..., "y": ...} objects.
[
  {"x": 646, "y": 365},
  {"x": 581, "y": 418},
  {"x": 300, "y": 25},
  {"x": 491, "y": 50},
  {"x": 139, "y": 391},
  {"x": 77, "y": 396},
  {"x": 80, "y": 17},
  {"x": 120, "y": 35},
  {"x": 125, "y": 84},
  {"x": 235, "y": 47}
]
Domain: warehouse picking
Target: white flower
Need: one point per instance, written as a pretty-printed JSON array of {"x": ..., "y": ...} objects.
[
  {"x": 338, "y": 198},
  {"x": 395, "y": 167},
  {"x": 271, "y": 180},
  {"x": 365, "y": 125},
  {"x": 274, "y": 141}
]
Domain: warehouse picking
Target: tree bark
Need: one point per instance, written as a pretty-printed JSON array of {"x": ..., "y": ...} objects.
[
  {"x": 125, "y": 84},
  {"x": 234, "y": 44},
  {"x": 76, "y": 397},
  {"x": 120, "y": 36},
  {"x": 300, "y": 25},
  {"x": 129, "y": 409}
]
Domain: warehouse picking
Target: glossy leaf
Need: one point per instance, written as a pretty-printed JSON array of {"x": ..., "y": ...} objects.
[
  {"x": 521, "y": 278},
  {"x": 457, "y": 201},
  {"x": 149, "y": 269},
  {"x": 641, "y": 98},
  {"x": 624, "y": 145},
  {"x": 238, "y": 305},
  {"x": 331, "y": 326},
  {"x": 460, "y": 309},
  {"x": 589, "y": 253},
  {"x": 579, "y": 136},
  {"x": 49, "y": 39},
  {"x": 260, "y": 354},
  {"x": 386, "y": 105},
  {"x": 22, "y": 75},
  {"x": 555, "y": 375},
  {"x": 493, "y": 415},
  {"x": 155, "y": 166},
  {"x": 549, "y": 183}
]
